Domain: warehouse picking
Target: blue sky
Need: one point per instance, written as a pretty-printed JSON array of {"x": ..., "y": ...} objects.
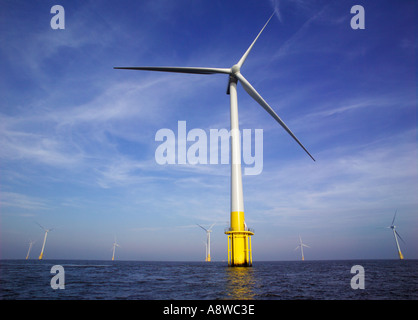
[{"x": 77, "y": 138}]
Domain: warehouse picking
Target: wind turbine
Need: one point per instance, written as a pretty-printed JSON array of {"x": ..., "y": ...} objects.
[
  {"x": 239, "y": 237},
  {"x": 301, "y": 245},
  {"x": 30, "y": 247},
  {"x": 396, "y": 235},
  {"x": 114, "y": 247},
  {"x": 43, "y": 245},
  {"x": 208, "y": 231}
]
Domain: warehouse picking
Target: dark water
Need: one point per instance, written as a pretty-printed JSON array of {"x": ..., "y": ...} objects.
[{"x": 318, "y": 280}]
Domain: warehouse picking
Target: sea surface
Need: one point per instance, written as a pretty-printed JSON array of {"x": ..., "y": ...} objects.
[{"x": 141, "y": 280}]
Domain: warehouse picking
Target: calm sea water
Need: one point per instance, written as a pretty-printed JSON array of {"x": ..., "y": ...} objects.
[{"x": 132, "y": 280}]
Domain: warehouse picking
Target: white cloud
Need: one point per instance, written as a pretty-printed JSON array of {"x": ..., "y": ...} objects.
[
  {"x": 345, "y": 184},
  {"x": 18, "y": 200}
]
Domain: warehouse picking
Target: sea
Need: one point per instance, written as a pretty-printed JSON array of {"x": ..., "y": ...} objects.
[{"x": 209, "y": 281}]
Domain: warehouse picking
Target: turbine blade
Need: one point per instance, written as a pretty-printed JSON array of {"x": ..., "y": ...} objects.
[
  {"x": 180, "y": 69},
  {"x": 210, "y": 228},
  {"x": 399, "y": 236},
  {"x": 297, "y": 247},
  {"x": 242, "y": 60},
  {"x": 394, "y": 217},
  {"x": 256, "y": 96},
  {"x": 201, "y": 227},
  {"x": 305, "y": 245},
  {"x": 40, "y": 226}
]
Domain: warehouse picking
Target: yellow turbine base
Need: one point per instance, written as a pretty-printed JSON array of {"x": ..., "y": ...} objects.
[
  {"x": 400, "y": 255},
  {"x": 239, "y": 242},
  {"x": 41, "y": 256},
  {"x": 208, "y": 258}
]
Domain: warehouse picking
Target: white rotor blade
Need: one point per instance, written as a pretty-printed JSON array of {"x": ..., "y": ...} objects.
[
  {"x": 256, "y": 96},
  {"x": 305, "y": 245},
  {"x": 180, "y": 69},
  {"x": 242, "y": 60},
  {"x": 394, "y": 217},
  {"x": 40, "y": 226},
  {"x": 210, "y": 228},
  {"x": 201, "y": 227}
]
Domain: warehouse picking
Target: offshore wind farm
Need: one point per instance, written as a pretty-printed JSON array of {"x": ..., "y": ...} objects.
[{"x": 92, "y": 151}]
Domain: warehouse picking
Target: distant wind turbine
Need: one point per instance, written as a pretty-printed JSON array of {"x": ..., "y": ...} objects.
[
  {"x": 43, "y": 245},
  {"x": 114, "y": 248},
  {"x": 30, "y": 247},
  {"x": 208, "y": 231},
  {"x": 396, "y": 235},
  {"x": 301, "y": 245},
  {"x": 239, "y": 237}
]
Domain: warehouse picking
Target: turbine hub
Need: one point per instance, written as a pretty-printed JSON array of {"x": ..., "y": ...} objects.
[{"x": 235, "y": 69}]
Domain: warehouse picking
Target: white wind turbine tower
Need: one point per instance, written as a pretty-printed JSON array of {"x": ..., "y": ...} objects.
[
  {"x": 206, "y": 248},
  {"x": 239, "y": 237},
  {"x": 396, "y": 235},
  {"x": 115, "y": 244},
  {"x": 30, "y": 247},
  {"x": 43, "y": 245},
  {"x": 208, "y": 231},
  {"x": 301, "y": 245}
]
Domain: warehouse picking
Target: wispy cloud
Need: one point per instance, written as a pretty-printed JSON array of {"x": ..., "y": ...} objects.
[
  {"x": 18, "y": 144},
  {"x": 304, "y": 39},
  {"x": 342, "y": 184},
  {"x": 18, "y": 200}
]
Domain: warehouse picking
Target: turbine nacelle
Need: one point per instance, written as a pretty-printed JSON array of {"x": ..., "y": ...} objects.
[{"x": 235, "y": 69}]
